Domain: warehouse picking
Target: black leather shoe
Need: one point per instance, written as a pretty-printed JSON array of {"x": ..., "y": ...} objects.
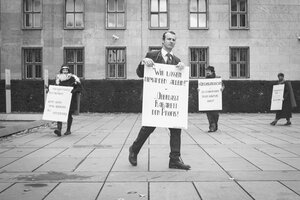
[
  {"x": 288, "y": 123},
  {"x": 178, "y": 164},
  {"x": 57, "y": 132},
  {"x": 273, "y": 123},
  {"x": 67, "y": 133},
  {"x": 132, "y": 157}
]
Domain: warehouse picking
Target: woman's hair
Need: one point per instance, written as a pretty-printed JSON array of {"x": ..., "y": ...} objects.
[
  {"x": 211, "y": 68},
  {"x": 280, "y": 74},
  {"x": 64, "y": 66}
]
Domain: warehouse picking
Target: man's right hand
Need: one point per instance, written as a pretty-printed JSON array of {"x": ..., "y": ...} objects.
[{"x": 148, "y": 62}]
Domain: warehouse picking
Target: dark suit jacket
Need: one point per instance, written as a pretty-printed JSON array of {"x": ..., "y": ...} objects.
[{"x": 157, "y": 58}]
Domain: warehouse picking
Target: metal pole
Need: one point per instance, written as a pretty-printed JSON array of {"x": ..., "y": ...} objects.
[{"x": 7, "y": 91}]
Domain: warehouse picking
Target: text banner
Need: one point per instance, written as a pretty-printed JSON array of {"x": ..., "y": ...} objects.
[
  {"x": 277, "y": 97},
  {"x": 210, "y": 94}
]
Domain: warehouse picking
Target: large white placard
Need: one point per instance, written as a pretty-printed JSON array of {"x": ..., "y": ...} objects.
[
  {"x": 210, "y": 94},
  {"x": 58, "y": 103},
  {"x": 165, "y": 96},
  {"x": 277, "y": 97}
]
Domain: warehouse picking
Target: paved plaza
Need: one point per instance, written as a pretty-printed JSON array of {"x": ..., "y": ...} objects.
[{"x": 246, "y": 159}]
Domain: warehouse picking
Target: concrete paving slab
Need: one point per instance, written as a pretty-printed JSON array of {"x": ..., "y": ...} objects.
[
  {"x": 273, "y": 175},
  {"x": 292, "y": 185},
  {"x": 4, "y": 186}
]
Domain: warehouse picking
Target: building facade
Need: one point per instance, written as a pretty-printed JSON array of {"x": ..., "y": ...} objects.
[{"x": 106, "y": 39}]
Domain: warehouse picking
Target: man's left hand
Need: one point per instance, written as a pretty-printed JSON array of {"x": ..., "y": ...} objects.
[{"x": 180, "y": 65}]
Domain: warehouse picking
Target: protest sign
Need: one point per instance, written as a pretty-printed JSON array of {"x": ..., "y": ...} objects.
[
  {"x": 210, "y": 94},
  {"x": 58, "y": 103},
  {"x": 165, "y": 96},
  {"x": 277, "y": 97}
]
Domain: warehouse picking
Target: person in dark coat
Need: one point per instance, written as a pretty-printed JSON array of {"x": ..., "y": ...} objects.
[
  {"x": 288, "y": 103},
  {"x": 66, "y": 78},
  {"x": 165, "y": 56},
  {"x": 212, "y": 116}
]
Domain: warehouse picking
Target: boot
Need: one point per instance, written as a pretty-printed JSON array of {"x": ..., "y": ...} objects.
[
  {"x": 58, "y": 130},
  {"x": 69, "y": 124}
]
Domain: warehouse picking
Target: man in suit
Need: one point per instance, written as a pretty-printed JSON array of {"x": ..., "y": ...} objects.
[{"x": 165, "y": 56}]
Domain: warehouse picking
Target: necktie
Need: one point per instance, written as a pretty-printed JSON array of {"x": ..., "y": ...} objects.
[{"x": 169, "y": 60}]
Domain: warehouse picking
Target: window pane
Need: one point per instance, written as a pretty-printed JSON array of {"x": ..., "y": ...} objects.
[
  {"x": 29, "y": 71},
  {"x": 28, "y": 20},
  {"x": 193, "y": 20},
  {"x": 233, "y": 70},
  {"x": 233, "y": 20},
  {"x": 80, "y": 70},
  {"x": 163, "y": 20},
  {"x": 70, "y": 20},
  {"x": 234, "y": 55},
  {"x": 202, "y": 70},
  {"x": 79, "y": 55},
  {"x": 120, "y": 56},
  {"x": 37, "y": 20},
  {"x": 121, "y": 21},
  {"x": 242, "y": 20},
  {"x": 202, "y": 5},
  {"x": 38, "y": 55},
  {"x": 38, "y": 71},
  {"x": 154, "y": 20},
  {"x": 242, "y": 70},
  {"x": 28, "y": 56},
  {"x": 71, "y": 67},
  {"x": 111, "y": 5},
  {"x": 243, "y": 54},
  {"x": 194, "y": 55},
  {"x": 193, "y": 6},
  {"x": 37, "y": 6},
  {"x": 27, "y": 5},
  {"x": 121, "y": 5},
  {"x": 202, "y": 20},
  {"x": 112, "y": 70},
  {"x": 163, "y": 6},
  {"x": 194, "y": 70},
  {"x": 70, "y": 5},
  {"x": 121, "y": 70},
  {"x": 112, "y": 56},
  {"x": 202, "y": 54},
  {"x": 78, "y": 20},
  {"x": 154, "y": 5},
  {"x": 70, "y": 56},
  {"x": 233, "y": 5},
  {"x": 78, "y": 5},
  {"x": 111, "y": 20},
  {"x": 242, "y": 5}
]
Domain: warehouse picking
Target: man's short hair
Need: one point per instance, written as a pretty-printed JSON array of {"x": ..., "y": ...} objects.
[
  {"x": 280, "y": 74},
  {"x": 164, "y": 35}
]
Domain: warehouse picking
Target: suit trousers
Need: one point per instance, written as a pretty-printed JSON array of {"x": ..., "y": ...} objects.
[
  {"x": 213, "y": 118},
  {"x": 175, "y": 141}
]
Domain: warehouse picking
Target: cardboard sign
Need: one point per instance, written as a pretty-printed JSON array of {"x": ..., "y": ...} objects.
[
  {"x": 277, "y": 97},
  {"x": 58, "y": 103},
  {"x": 210, "y": 94},
  {"x": 165, "y": 96}
]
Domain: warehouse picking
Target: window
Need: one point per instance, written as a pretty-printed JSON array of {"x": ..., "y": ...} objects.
[
  {"x": 198, "y": 61},
  {"x": 115, "y": 14},
  {"x": 238, "y": 14},
  {"x": 154, "y": 48},
  {"x": 32, "y": 14},
  {"x": 74, "y": 10},
  {"x": 32, "y": 61},
  {"x": 116, "y": 62},
  {"x": 74, "y": 58},
  {"x": 239, "y": 62},
  {"x": 159, "y": 14},
  {"x": 198, "y": 14}
]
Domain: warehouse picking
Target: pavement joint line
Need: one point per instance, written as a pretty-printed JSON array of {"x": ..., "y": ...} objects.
[
  {"x": 288, "y": 187},
  {"x": 244, "y": 189},
  {"x": 225, "y": 132},
  {"x": 51, "y": 190},
  {"x": 113, "y": 164},
  {"x": 197, "y": 190},
  {"x": 76, "y": 167},
  {"x": 285, "y": 150},
  {"x": 204, "y": 133},
  {"x": 8, "y": 187}
]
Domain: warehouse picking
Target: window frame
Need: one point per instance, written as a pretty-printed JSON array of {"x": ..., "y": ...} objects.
[
  {"x": 150, "y": 13},
  {"x": 75, "y": 63},
  {"x": 238, "y": 27},
  {"x": 32, "y": 12},
  {"x": 65, "y": 17},
  {"x": 198, "y": 62},
  {"x": 239, "y": 63},
  {"x": 24, "y": 69},
  {"x": 116, "y": 12},
  {"x": 207, "y": 16},
  {"x": 107, "y": 67}
]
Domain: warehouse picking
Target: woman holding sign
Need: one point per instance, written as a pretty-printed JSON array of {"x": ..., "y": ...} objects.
[
  {"x": 288, "y": 102},
  {"x": 212, "y": 116},
  {"x": 66, "y": 78}
]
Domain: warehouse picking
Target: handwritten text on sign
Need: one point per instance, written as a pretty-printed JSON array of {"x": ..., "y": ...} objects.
[
  {"x": 165, "y": 96},
  {"x": 277, "y": 97},
  {"x": 57, "y": 103},
  {"x": 210, "y": 94}
]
